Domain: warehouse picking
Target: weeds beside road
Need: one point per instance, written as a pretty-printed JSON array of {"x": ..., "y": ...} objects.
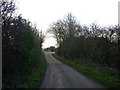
[
  {"x": 34, "y": 80},
  {"x": 108, "y": 80}
]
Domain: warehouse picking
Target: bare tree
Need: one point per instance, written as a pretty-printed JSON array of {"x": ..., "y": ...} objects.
[
  {"x": 42, "y": 38},
  {"x": 95, "y": 28}
]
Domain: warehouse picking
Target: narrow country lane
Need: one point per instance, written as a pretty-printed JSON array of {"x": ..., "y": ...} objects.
[{"x": 59, "y": 75}]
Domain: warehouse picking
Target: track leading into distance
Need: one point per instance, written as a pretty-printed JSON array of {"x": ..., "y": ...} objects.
[{"x": 59, "y": 75}]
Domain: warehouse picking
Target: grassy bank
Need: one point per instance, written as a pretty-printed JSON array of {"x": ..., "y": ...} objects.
[
  {"x": 106, "y": 79},
  {"x": 34, "y": 80}
]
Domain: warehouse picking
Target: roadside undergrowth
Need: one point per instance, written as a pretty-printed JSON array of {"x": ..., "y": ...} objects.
[
  {"x": 108, "y": 80},
  {"x": 34, "y": 80}
]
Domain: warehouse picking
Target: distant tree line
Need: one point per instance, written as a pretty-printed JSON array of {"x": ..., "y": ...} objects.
[
  {"x": 51, "y": 48},
  {"x": 21, "y": 46},
  {"x": 93, "y": 43}
]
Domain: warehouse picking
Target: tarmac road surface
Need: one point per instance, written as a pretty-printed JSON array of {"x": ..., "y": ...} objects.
[{"x": 59, "y": 75}]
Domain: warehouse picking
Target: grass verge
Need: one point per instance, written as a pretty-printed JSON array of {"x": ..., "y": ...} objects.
[
  {"x": 34, "y": 80},
  {"x": 105, "y": 78}
]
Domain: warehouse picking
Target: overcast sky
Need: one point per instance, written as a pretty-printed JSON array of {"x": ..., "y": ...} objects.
[{"x": 45, "y": 12}]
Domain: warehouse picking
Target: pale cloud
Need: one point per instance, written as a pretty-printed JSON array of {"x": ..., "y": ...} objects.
[{"x": 44, "y": 12}]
